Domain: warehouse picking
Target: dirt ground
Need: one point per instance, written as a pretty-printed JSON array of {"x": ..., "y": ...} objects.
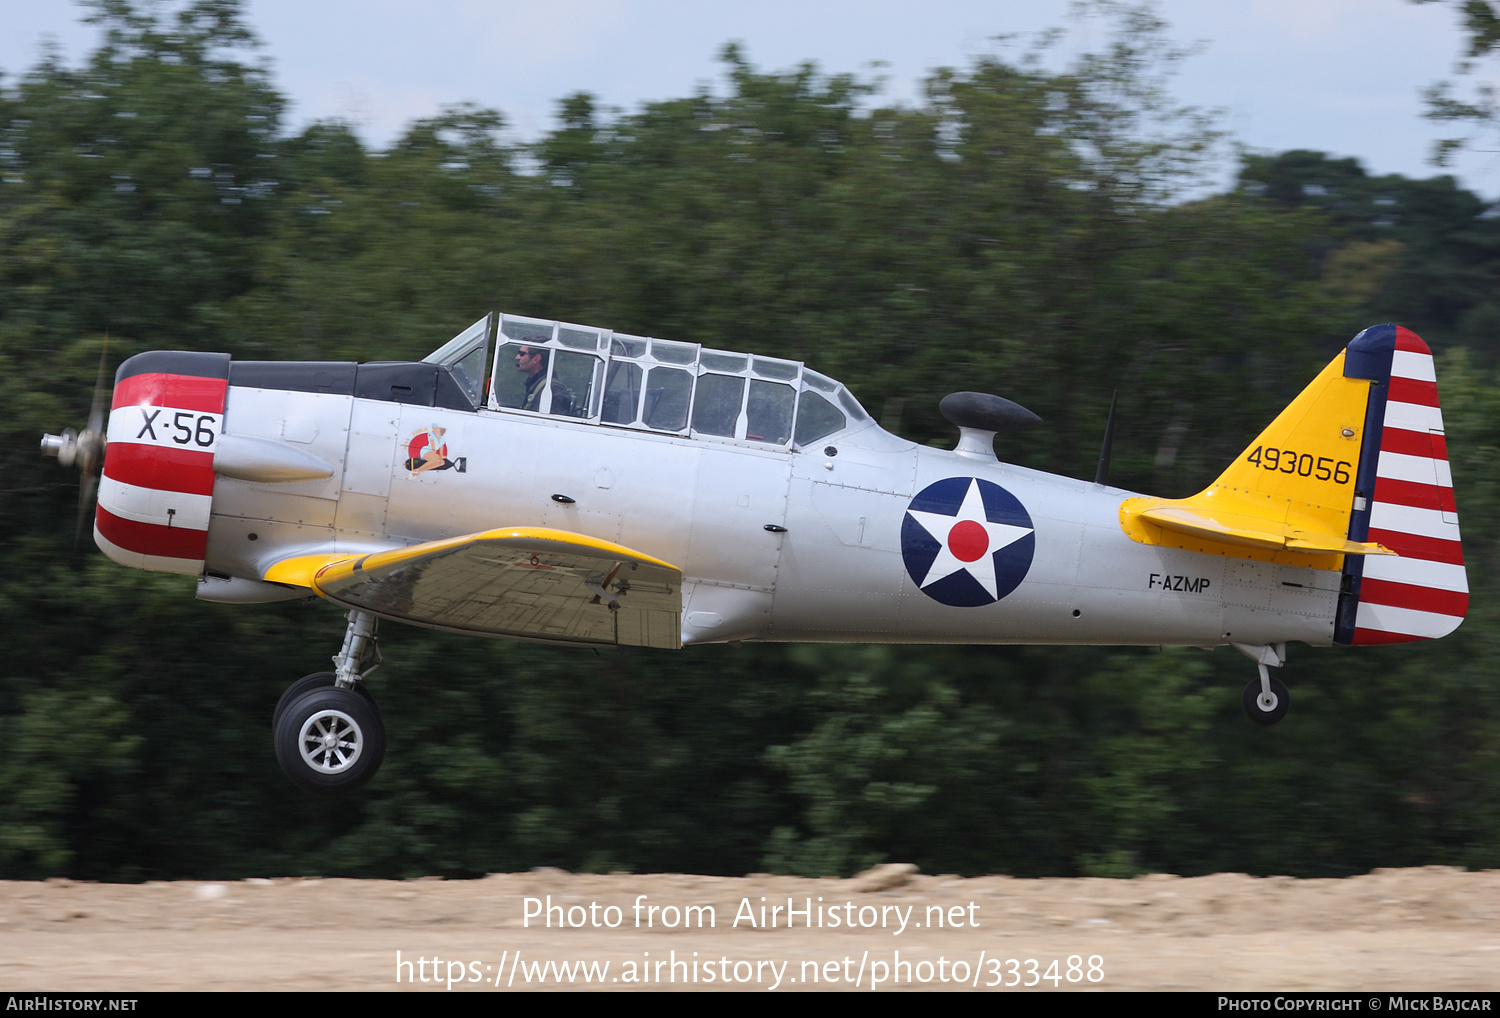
[{"x": 1391, "y": 930}]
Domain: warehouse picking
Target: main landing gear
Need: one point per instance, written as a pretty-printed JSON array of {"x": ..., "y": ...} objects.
[
  {"x": 328, "y": 732},
  {"x": 1265, "y": 699}
]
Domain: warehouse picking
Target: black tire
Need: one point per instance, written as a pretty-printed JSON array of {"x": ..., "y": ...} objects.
[
  {"x": 317, "y": 680},
  {"x": 330, "y": 741},
  {"x": 1266, "y": 714}
]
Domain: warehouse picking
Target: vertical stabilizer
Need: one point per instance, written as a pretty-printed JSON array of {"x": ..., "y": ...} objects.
[
  {"x": 1403, "y": 500},
  {"x": 1289, "y": 497}
]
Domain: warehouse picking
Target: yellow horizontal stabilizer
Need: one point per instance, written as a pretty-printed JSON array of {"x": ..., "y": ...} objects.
[
  {"x": 1334, "y": 543},
  {"x": 1257, "y": 531},
  {"x": 531, "y": 583}
]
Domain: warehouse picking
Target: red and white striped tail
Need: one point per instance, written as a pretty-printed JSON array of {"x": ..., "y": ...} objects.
[{"x": 1422, "y": 592}]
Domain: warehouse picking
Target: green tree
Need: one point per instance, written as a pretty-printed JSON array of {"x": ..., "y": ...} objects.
[
  {"x": 1425, "y": 253},
  {"x": 1480, "y": 20},
  {"x": 132, "y": 193},
  {"x": 1035, "y": 232}
]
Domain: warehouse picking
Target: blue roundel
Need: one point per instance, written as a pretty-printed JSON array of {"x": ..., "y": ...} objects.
[{"x": 967, "y": 542}]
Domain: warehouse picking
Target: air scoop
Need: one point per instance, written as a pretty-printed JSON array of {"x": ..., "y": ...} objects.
[
  {"x": 260, "y": 459},
  {"x": 978, "y": 416}
]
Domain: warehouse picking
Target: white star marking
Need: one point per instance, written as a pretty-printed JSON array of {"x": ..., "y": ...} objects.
[{"x": 941, "y": 527}]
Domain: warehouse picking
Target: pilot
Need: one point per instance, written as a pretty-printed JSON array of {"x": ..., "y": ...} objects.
[{"x": 533, "y": 362}]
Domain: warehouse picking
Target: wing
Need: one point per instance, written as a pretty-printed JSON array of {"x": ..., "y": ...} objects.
[{"x": 531, "y": 583}]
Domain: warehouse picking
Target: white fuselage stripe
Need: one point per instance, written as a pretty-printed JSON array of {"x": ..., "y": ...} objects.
[
  {"x": 1405, "y": 519},
  {"x": 1417, "y": 469},
  {"x": 167, "y": 427},
  {"x": 1417, "y": 572},
  {"x": 1413, "y": 365},
  {"x": 1413, "y": 417},
  {"x": 150, "y": 505},
  {"x": 1407, "y": 621}
]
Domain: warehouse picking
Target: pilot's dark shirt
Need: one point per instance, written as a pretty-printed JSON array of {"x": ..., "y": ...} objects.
[
  {"x": 534, "y": 391},
  {"x": 562, "y": 396}
]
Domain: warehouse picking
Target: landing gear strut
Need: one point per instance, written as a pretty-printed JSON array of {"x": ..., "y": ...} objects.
[
  {"x": 328, "y": 732},
  {"x": 1265, "y": 699}
]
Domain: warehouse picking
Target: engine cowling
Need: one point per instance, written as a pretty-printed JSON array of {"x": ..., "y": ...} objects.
[{"x": 155, "y": 497}]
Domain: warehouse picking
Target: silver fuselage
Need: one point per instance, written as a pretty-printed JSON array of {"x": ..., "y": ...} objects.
[{"x": 834, "y": 573}]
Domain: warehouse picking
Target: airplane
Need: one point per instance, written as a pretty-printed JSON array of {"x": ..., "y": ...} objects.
[{"x": 610, "y": 489}]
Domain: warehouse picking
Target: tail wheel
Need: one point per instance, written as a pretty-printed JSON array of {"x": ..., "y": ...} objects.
[
  {"x": 1265, "y": 710},
  {"x": 329, "y": 740}
]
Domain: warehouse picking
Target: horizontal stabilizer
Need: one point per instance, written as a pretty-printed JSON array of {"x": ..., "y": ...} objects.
[
  {"x": 520, "y": 582},
  {"x": 1257, "y": 531}
]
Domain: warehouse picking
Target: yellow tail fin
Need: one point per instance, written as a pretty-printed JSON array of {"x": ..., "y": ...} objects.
[{"x": 1287, "y": 498}]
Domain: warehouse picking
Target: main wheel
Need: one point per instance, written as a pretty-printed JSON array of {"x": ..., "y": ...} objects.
[
  {"x": 330, "y": 740},
  {"x": 317, "y": 680},
  {"x": 1263, "y": 711}
]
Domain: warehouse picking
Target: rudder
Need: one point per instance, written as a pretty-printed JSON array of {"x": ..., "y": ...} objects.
[{"x": 1403, "y": 500}]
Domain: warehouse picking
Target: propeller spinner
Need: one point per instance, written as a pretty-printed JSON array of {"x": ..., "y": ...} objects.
[{"x": 85, "y": 449}]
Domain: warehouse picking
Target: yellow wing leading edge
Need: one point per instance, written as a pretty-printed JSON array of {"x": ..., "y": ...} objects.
[{"x": 530, "y": 583}]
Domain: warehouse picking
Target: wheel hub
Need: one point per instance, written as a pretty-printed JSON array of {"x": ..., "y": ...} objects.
[
  {"x": 330, "y": 742},
  {"x": 1265, "y": 700}
]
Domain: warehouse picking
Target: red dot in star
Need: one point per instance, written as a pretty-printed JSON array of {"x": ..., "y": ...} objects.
[{"x": 968, "y": 540}]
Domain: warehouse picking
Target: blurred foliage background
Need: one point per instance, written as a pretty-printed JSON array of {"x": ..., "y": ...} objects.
[{"x": 1045, "y": 232}]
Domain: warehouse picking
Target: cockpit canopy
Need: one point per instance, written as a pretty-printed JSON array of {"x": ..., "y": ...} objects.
[{"x": 660, "y": 385}]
